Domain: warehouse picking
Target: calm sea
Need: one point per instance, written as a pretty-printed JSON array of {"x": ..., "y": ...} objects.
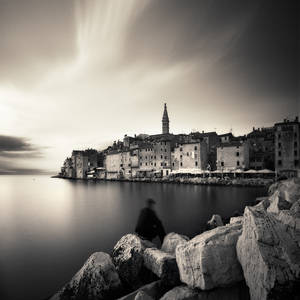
[{"x": 49, "y": 227}]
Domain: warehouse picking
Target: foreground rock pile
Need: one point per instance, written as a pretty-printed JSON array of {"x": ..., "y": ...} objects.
[{"x": 255, "y": 256}]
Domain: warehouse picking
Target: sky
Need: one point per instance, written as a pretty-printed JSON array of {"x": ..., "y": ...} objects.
[{"x": 79, "y": 74}]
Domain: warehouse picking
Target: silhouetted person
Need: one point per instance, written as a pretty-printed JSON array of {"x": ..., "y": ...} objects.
[{"x": 149, "y": 225}]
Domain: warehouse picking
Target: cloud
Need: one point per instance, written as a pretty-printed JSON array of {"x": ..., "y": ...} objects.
[{"x": 14, "y": 151}]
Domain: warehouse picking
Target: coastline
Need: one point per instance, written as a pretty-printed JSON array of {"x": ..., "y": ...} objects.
[{"x": 241, "y": 182}]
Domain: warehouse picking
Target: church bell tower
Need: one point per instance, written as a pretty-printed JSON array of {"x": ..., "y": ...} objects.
[{"x": 165, "y": 121}]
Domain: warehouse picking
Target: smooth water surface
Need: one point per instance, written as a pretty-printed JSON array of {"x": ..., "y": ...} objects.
[{"x": 49, "y": 227}]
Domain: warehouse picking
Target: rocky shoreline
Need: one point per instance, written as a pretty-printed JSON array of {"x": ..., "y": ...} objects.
[
  {"x": 244, "y": 182},
  {"x": 256, "y": 256}
]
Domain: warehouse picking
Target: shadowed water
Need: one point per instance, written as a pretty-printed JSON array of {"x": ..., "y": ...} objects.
[{"x": 49, "y": 227}]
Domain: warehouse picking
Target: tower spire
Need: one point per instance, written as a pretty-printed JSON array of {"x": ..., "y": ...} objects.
[{"x": 165, "y": 121}]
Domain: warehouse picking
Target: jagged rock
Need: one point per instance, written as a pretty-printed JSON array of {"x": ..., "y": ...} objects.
[
  {"x": 154, "y": 289},
  {"x": 209, "y": 260},
  {"x": 183, "y": 292},
  {"x": 289, "y": 190},
  {"x": 236, "y": 220},
  {"x": 128, "y": 259},
  {"x": 269, "y": 255},
  {"x": 214, "y": 222},
  {"x": 264, "y": 204},
  {"x": 142, "y": 296},
  {"x": 171, "y": 241},
  {"x": 96, "y": 280},
  {"x": 277, "y": 203},
  {"x": 162, "y": 264},
  {"x": 290, "y": 217}
]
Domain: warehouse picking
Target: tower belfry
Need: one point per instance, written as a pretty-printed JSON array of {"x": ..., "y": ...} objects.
[{"x": 165, "y": 121}]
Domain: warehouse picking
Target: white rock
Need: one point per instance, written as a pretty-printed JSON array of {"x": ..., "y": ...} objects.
[
  {"x": 171, "y": 241},
  {"x": 269, "y": 255},
  {"x": 142, "y": 296},
  {"x": 209, "y": 260},
  {"x": 128, "y": 259},
  {"x": 96, "y": 280},
  {"x": 162, "y": 264},
  {"x": 215, "y": 221},
  {"x": 236, "y": 220}
]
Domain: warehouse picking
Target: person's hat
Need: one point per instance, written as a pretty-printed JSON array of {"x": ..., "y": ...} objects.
[{"x": 150, "y": 201}]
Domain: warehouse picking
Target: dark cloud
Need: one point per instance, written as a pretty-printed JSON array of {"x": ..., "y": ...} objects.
[
  {"x": 16, "y": 150},
  {"x": 253, "y": 45},
  {"x": 35, "y": 35},
  {"x": 12, "y": 143}
]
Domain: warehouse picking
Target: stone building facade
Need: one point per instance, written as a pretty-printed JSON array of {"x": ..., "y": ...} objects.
[
  {"x": 287, "y": 148},
  {"x": 233, "y": 156},
  {"x": 190, "y": 156}
]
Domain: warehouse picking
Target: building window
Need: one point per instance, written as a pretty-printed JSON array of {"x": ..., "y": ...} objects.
[
  {"x": 195, "y": 148},
  {"x": 238, "y": 154},
  {"x": 279, "y": 162},
  {"x": 180, "y": 148},
  {"x": 222, "y": 163},
  {"x": 238, "y": 163},
  {"x": 161, "y": 149},
  {"x": 146, "y": 164},
  {"x": 279, "y": 135},
  {"x": 295, "y": 152},
  {"x": 295, "y": 134},
  {"x": 196, "y": 155},
  {"x": 146, "y": 157},
  {"x": 196, "y": 163},
  {"x": 154, "y": 156},
  {"x": 279, "y": 153},
  {"x": 187, "y": 154},
  {"x": 165, "y": 143},
  {"x": 173, "y": 164},
  {"x": 166, "y": 157},
  {"x": 161, "y": 157},
  {"x": 296, "y": 162},
  {"x": 181, "y": 164},
  {"x": 279, "y": 145},
  {"x": 161, "y": 163},
  {"x": 180, "y": 156},
  {"x": 129, "y": 165},
  {"x": 165, "y": 150},
  {"x": 141, "y": 164},
  {"x": 295, "y": 144},
  {"x": 165, "y": 164},
  {"x": 155, "y": 164}
]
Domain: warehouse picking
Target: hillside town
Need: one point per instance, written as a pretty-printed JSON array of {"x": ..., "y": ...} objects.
[{"x": 271, "y": 151}]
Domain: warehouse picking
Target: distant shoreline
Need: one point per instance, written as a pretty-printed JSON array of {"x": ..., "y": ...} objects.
[{"x": 253, "y": 182}]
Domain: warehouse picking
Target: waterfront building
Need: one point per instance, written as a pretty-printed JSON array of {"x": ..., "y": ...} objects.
[
  {"x": 287, "y": 148},
  {"x": 232, "y": 156},
  {"x": 67, "y": 169},
  {"x": 191, "y": 155},
  {"x": 80, "y": 163},
  {"x": 212, "y": 140},
  {"x": 261, "y": 147}
]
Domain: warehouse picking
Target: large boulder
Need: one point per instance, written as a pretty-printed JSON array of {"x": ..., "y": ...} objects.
[
  {"x": 183, "y": 292},
  {"x": 171, "y": 241},
  {"x": 129, "y": 261},
  {"x": 209, "y": 260},
  {"x": 96, "y": 280},
  {"x": 162, "y": 264},
  {"x": 269, "y": 255},
  {"x": 214, "y": 222}
]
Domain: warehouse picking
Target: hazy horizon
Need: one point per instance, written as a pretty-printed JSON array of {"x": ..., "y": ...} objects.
[{"x": 81, "y": 74}]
